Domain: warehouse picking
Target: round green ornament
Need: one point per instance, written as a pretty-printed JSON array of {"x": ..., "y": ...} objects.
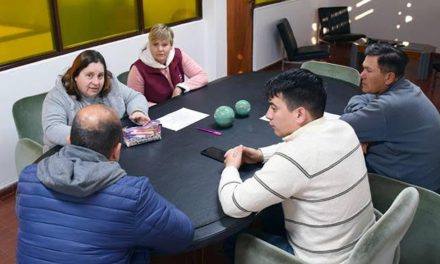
[
  {"x": 224, "y": 116},
  {"x": 242, "y": 107}
]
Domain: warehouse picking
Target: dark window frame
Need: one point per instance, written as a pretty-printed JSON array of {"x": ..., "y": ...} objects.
[
  {"x": 56, "y": 30},
  {"x": 268, "y": 3}
]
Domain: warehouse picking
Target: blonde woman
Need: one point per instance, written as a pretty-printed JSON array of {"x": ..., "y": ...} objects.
[{"x": 160, "y": 71}]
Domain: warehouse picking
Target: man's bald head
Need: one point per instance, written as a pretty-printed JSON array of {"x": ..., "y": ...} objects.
[{"x": 96, "y": 127}]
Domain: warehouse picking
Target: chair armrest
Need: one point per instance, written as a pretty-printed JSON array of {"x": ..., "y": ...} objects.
[
  {"x": 26, "y": 152},
  {"x": 252, "y": 250}
]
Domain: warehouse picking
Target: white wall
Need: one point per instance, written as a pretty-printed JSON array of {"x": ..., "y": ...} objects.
[
  {"x": 381, "y": 23},
  {"x": 214, "y": 15},
  {"x": 204, "y": 40},
  {"x": 267, "y": 47}
]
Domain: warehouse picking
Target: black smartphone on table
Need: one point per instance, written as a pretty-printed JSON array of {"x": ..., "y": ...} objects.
[{"x": 214, "y": 153}]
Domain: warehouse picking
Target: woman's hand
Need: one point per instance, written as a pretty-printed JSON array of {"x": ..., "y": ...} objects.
[
  {"x": 177, "y": 91},
  {"x": 139, "y": 118}
]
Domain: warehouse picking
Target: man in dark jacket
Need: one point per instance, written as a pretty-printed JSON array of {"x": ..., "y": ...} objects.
[
  {"x": 397, "y": 124},
  {"x": 80, "y": 206}
]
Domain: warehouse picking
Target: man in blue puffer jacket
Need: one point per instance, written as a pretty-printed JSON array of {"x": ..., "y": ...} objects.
[{"x": 80, "y": 206}]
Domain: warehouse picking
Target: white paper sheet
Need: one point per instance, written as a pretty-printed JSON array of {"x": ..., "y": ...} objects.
[
  {"x": 264, "y": 118},
  {"x": 331, "y": 116},
  {"x": 181, "y": 118},
  {"x": 326, "y": 114}
]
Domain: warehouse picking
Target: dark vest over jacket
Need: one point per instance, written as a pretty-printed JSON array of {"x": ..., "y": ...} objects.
[{"x": 157, "y": 88}]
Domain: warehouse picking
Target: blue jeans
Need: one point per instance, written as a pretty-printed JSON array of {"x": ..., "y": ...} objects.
[
  {"x": 273, "y": 230},
  {"x": 276, "y": 240}
]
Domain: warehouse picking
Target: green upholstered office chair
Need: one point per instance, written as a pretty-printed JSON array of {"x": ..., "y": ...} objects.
[
  {"x": 122, "y": 77},
  {"x": 27, "y": 118},
  {"x": 336, "y": 71},
  {"x": 421, "y": 242},
  {"x": 380, "y": 244}
]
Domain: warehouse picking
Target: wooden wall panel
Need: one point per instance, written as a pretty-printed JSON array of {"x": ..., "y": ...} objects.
[{"x": 239, "y": 37}]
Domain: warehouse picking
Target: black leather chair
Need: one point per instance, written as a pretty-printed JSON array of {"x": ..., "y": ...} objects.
[
  {"x": 334, "y": 25},
  {"x": 295, "y": 54}
]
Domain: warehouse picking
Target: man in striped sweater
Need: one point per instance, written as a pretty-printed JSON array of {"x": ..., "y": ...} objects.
[{"x": 317, "y": 173}]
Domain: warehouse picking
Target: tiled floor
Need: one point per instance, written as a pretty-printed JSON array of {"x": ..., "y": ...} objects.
[
  {"x": 212, "y": 254},
  {"x": 8, "y": 229}
]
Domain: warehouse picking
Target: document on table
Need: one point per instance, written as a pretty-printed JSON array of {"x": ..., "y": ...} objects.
[
  {"x": 181, "y": 118},
  {"x": 264, "y": 118},
  {"x": 326, "y": 114},
  {"x": 331, "y": 116}
]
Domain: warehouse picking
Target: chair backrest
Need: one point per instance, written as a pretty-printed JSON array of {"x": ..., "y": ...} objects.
[
  {"x": 420, "y": 244},
  {"x": 122, "y": 77},
  {"x": 333, "y": 20},
  {"x": 286, "y": 34},
  {"x": 253, "y": 250},
  {"x": 27, "y": 151},
  {"x": 336, "y": 71},
  {"x": 27, "y": 117},
  {"x": 379, "y": 243}
]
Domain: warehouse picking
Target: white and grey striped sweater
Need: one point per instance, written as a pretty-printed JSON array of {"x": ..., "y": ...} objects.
[{"x": 319, "y": 175}]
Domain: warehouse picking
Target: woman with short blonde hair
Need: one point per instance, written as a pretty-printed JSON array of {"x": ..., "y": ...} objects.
[{"x": 160, "y": 71}]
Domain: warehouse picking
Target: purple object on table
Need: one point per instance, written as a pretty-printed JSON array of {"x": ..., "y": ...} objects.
[{"x": 211, "y": 131}]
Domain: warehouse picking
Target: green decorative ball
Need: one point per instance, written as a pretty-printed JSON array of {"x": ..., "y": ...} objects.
[
  {"x": 224, "y": 116},
  {"x": 242, "y": 107}
]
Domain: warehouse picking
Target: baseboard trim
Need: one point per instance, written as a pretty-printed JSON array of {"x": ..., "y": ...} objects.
[
  {"x": 274, "y": 66},
  {"x": 8, "y": 191}
]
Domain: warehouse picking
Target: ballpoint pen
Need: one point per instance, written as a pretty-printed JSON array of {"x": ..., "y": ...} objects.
[{"x": 211, "y": 131}]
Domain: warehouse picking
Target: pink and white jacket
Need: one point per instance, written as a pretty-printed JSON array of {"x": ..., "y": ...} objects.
[{"x": 158, "y": 81}]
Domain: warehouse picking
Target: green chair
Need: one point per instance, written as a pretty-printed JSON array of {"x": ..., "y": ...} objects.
[
  {"x": 122, "y": 77},
  {"x": 380, "y": 244},
  {"x": 421, "y": 242},
  {"x": 336, "y": 71},
  {"x": 27, "y": 118}
]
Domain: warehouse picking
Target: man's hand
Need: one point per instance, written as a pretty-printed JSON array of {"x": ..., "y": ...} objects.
[
  {"x": 233, "y": 157},
  {"x": 251, "y": 155},
  {"x": 364, "y": 147},
  {"x": 177, "y": 91},
  {"x": 139, "y": 118}
]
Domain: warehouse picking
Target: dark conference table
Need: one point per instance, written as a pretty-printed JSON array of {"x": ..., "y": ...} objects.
[{"x": 189, "y": 180}]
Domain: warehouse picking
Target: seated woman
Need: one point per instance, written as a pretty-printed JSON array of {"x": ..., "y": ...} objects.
[
  {"x": 160, "y": 70},
  {"x": 87, "y": 82}
]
